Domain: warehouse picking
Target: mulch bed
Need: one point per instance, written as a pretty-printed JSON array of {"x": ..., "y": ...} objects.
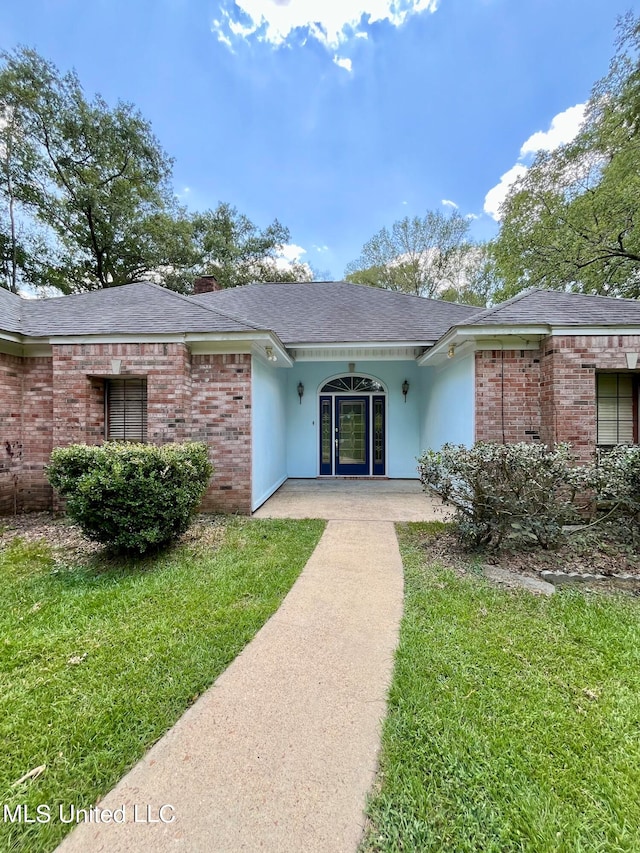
[
  {"x": 605, "y": 552},
  {"x": 66, "y": 538}
]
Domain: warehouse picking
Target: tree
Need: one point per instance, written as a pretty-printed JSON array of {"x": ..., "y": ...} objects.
[
  {"x": 424, "y": 257},
  {"x": 477, "y": 280},
  {"x": 93, "y": 177},
  {"x": 228, "y": 245},
  {"x": 573, "y": 220}
]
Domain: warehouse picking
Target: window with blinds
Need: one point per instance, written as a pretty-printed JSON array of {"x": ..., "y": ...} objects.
[
  {"x": 126, "y": 409},
  {"x": 617, "y": 408}
]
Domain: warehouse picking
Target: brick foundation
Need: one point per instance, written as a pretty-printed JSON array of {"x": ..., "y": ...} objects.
[{"x": 53, "y": 402}]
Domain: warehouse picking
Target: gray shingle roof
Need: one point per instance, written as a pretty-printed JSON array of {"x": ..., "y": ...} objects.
[
  {"x": 555, "y": 308},
  {"x": 314, "y": 312},
  {"x": 337, "y": 312},
  {"x": 141, "y": 308},
  {"x": 10, "y": 305}
]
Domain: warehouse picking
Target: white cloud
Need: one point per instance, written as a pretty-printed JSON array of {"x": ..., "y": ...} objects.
[
  {"x": 321, "y": 248},
  {"x": 331, "y": 23},
  {"x": 448, "y": 203},
  {"x": 222, "y": 37},
  {"x": 343, "y": 63},
  {"x": 291, "y": 252},
  {"x": 497, "y": 194},
  {"x": 563, "y": 128}
]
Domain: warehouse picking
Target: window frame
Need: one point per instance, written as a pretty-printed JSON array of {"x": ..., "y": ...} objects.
[
  {"x": 136, "y": 430},
  {"x": 635, "y": 392}
]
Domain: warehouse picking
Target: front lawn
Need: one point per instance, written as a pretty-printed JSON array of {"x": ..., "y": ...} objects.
[
  {"x": 514, "y": 720},
  {"x": 100, "y": 656}
]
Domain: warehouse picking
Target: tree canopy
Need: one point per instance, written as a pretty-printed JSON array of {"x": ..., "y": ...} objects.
[
  {"x": 428, "y": 256},
  {"x": 87, "y": 200},
  {"x": 573, "y": 220},
  {"x": 93, "y": 180},
  {"x": 228, "y": 245}
]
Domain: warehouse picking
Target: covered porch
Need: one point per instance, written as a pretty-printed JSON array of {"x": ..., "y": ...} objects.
[{"x": 369, "y": 418}]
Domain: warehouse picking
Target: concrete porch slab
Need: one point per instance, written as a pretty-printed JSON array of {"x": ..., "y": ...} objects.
[{"x": 354, "y": 500}]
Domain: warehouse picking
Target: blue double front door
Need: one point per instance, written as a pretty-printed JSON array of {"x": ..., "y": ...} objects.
[{"x": 352, "y": 439}]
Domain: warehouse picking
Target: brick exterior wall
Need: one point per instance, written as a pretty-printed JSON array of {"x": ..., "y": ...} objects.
[
  {"x": 11, "y": 369},
  {"x": 508, "y": 395},
  {"x": 547, "y": 394},
  {"x": 221, "y": 417},
  {"x": 25, "y": 432},
  {"x": 52, "y": 402}
]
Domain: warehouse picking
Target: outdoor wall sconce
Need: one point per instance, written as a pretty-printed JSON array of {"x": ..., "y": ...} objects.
[
  {"x": 300, "y": 391},
  {"x": 270, "y": 354},
  {"x": 405, "y": 389},
  {"x": 116, "y": 365},
  {"x": 452, "y": 351}
]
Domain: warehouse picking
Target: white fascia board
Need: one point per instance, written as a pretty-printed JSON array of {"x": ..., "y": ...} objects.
[
  {"x": 596, "y": 331},
  {"x": 150, "y": 338},
  {"x": 485, "y": 337},
  {"x": 280, "y": 358},
  {"x": 24, "y": 347},
  {"x": 246, "y": 342},
  {"x": 10, "y": 346},
  {"x": 198, "y": 342}
]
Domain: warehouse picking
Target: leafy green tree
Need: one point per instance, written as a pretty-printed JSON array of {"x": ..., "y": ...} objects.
[
  {"x": 427, "y": 256},
  {"x": 477, "y": 280},
  {"x": 573, "y": 220},
  {"x": 228, "y": 245},
  {"x": 93, "y": 177},
  {"x": 14, "y": 259}
]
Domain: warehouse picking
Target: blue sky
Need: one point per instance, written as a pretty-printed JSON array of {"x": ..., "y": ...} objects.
[{"x": 336, "y": 116}]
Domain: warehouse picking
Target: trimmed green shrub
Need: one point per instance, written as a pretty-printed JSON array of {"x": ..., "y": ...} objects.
[
  {"x": 521, "y": 493},
  {"x": 132, "y": 497},
  {"x": 617, "y": 483}
]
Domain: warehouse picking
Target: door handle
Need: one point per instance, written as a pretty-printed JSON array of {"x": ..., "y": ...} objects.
[{"x": 336, "y": 443}]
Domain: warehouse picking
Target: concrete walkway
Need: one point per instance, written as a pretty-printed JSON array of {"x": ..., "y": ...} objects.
[{"x": 279, "y": 754}]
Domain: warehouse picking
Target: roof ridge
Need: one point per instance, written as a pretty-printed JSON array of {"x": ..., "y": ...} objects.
[
  {"x": 190, "y": 299},
  {"x": 487, "y": 312},
  {"x": 371, "y": 287},
  {"x": 235, "y": 317},
  {"x": 174, "y": 294}
]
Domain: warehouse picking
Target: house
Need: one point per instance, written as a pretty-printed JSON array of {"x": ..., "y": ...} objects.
[{"x": 322, "y": 379}]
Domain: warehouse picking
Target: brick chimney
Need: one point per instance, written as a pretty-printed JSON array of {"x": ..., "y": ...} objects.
[{"x": 206, "y": 284}]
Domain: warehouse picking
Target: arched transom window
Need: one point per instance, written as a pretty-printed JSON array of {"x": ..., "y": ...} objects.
[{"x": 352, "y": 385}]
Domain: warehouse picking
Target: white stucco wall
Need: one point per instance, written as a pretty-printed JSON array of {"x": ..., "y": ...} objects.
[
  {"x": 269, "y": 430},
  {"x": 403, "y": 419},
  {"x": 448, "y": 403}
]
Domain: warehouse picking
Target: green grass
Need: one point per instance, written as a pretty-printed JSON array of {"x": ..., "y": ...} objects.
[
  {"x": 514, "y": 720},
  {"x": 98, "y": 661}
]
